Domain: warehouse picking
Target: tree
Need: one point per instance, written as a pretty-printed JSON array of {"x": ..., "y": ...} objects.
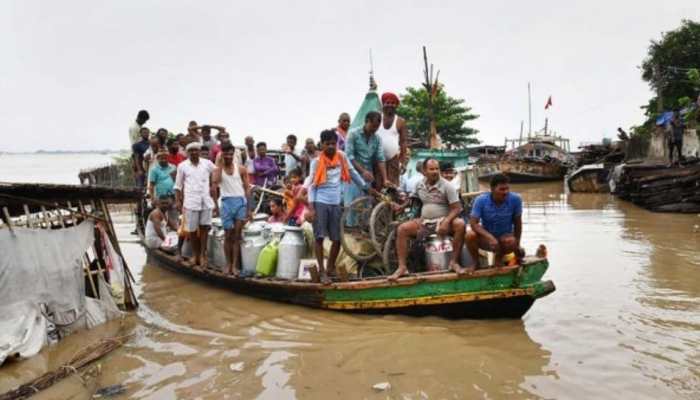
[
  {"x": 450, "y": 117},
  {"x": 668, "y": 68}
]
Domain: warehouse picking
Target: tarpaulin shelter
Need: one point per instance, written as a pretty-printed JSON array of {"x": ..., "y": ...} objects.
[{"x": 60, "y": 264}]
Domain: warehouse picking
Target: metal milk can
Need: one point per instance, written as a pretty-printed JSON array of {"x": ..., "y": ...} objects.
[
  {"x": 253, "y": 243},
  {"x": 438, "y": 252},
  {"x": 215, "y": 247},
  {"x": 291, "y": 250}
]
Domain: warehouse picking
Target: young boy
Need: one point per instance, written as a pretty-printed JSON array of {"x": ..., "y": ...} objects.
[
  {"x": 328, "y": 171},
  {"x": 295, "y": 198}
]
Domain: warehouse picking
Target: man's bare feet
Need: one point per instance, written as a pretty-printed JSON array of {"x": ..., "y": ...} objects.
[
  {"x": 205, "y": 263},
  {"x": 325, "y": 279},
  {"x": 401, "y": 271},
  {"x": 454, "y": 266},
  {"x": 234, "y": 272}
]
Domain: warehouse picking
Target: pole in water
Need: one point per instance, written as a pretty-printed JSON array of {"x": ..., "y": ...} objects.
[{"x": 529, "y": 111}]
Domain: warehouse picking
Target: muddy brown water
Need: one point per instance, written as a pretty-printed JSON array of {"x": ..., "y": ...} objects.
[{"x": 623, "y": 323}]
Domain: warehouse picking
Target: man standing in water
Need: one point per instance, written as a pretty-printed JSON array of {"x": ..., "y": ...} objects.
[
  {"x": 439, "y": 213},
  {"x": 364, "y": 151},
  {"x": 232, "y": 179},
  {"x": 393, "y": 133},
  {"x": 328, "y": 172},
  {"x": 193, "y": 195},
  {"x": 135, "y": 129},
  {"x": 496, "y": 221}
]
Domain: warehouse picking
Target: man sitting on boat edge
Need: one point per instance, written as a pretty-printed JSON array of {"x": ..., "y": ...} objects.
[
  {"x": 441, "y": 204},
  {"x": 155, "y": 235},
  {"x": 496, "y": 221}
]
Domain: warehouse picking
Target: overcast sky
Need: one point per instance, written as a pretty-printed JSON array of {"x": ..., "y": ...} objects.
[{"x": 73, "y": 74}]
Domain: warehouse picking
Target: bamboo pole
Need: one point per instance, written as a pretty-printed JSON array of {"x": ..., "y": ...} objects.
[
  {"x": 28, "y": 215},
  {"x": 47, "y": 221},
  {"x": 85, "y": 356},
  {"x": 86, "y": 268},
  {"x": 128, "y": 278},
  {"x": 8, "y": 219},
  {"x": 60, "y": 216}
]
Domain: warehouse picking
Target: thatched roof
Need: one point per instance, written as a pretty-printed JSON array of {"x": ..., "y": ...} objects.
[{"x": 15, "y": 195}]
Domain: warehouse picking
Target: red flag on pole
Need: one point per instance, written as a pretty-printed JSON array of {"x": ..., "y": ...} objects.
[{"x": 549, "y": 103}]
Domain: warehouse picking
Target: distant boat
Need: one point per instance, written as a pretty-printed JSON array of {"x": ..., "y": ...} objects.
[{"x": 542, "y": 157}]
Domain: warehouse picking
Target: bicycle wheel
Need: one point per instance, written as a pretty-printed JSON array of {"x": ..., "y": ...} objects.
[
  {"x": 389, "y": 257},
  {"x": 354, "y": 228},
  {"x": 380, "y": 225}
]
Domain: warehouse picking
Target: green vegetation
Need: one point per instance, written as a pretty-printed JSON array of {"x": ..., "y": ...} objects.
[
  {"x": 451, "y": 115},
  {"x": 671, "y": 69}
]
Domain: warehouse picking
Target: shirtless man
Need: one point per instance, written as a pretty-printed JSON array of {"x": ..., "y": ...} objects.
[
  {"x": 440, "y": 202},
  {"x": 394, "y": 135},
  {"x": 232, "y": 179}
]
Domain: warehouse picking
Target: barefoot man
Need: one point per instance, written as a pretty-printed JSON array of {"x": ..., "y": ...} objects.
[
  {"x": 440, "y": 211},
  {"x": 328, "y": 173},
  {"x": 394, "y": 135},
  {"x": 496, "y": 221},
  {"x": 193, "y": 193},
  {"x": 232, "y": 179}
]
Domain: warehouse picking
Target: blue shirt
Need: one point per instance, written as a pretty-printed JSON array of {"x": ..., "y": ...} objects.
[
  {"x": 140, "y": 147},
  {"x": 329, "y": 192},
  {"x": 161, "y": 180},
  {"x": 364, "y": 151},
  {"x": 497, "y": 219}
]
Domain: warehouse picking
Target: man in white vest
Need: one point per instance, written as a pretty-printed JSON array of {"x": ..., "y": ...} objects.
[{"x": 394, "y": 136}]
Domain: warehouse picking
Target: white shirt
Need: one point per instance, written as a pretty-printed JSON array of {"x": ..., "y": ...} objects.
[
  {"x": 290, "y": 162},
  {"x": 134, "y": 132},
  {"x": 390, "y": 139},
  {"x": 408, "y": 185},
  {"x": 195, "y": 180}
]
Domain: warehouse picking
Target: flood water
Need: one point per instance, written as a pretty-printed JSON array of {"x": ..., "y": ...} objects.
[{"x": 624, "y": 322}]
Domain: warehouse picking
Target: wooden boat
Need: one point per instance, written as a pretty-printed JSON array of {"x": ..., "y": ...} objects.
[
  {"x": 591, "y": 178},
  {"x": 542, "y": 157},
  {"x": 506, "y": 292}
]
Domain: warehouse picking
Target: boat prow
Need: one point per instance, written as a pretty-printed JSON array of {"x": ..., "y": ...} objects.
[{"x": 506, "y": 292}]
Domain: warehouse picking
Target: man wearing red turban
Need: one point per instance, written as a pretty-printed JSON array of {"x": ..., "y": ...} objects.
[{"x": 394, "y": 135}]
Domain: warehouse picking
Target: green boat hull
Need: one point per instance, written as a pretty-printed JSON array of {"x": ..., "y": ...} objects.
[{"x": 507, "y": 292}]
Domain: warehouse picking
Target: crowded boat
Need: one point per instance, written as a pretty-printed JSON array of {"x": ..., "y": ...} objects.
[{"x": 200, "y": 186}]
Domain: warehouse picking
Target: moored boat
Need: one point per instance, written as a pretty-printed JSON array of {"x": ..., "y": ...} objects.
[
  {"x": 542, "y": 158},
  {"x": 591, "y": 178},
  {"x": 506, "y": 292}
]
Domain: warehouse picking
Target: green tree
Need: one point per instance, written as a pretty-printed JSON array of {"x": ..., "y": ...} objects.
[
  {"x": 451, "y": 115},
  {"x": 668, "y": 68}
]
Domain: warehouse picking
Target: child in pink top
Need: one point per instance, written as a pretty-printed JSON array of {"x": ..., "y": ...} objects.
[
  {"x": 277, "y": 214},
  {"x": 296, "y": 198}
]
